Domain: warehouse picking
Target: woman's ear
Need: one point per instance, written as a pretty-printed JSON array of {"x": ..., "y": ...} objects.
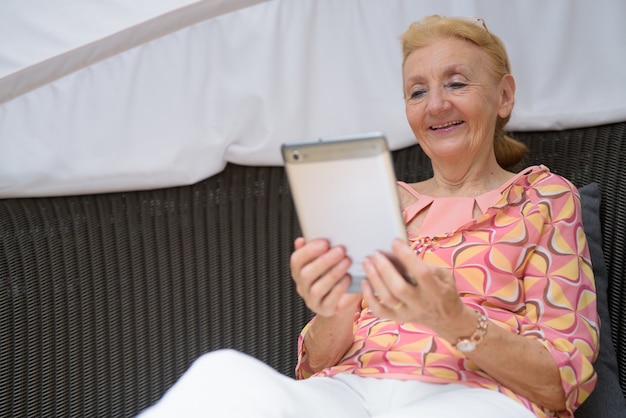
[{"x": 507, "y": 95}]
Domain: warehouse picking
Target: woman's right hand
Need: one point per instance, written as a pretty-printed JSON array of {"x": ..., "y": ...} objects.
[{"x": 321, "y": 276}]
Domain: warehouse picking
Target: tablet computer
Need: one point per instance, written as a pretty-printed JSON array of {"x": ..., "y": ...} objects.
[{"x": 344, "y": 190}]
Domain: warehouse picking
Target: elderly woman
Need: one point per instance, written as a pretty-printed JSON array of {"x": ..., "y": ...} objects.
[{"x": 501, "y": 318}]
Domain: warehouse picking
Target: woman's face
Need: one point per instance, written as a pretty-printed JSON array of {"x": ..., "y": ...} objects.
[{"x": 453, "y": 99}]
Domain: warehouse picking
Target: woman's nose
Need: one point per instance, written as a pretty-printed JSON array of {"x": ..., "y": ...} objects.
[{"x": 437, "y": 102}]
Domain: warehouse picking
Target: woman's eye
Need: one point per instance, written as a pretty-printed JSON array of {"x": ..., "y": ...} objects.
[
  {"x": 457, "y": 85},
  {"x": 416, "y": 94}
]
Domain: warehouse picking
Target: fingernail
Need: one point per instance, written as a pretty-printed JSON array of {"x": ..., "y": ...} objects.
[{"x": 367, "y": 263}]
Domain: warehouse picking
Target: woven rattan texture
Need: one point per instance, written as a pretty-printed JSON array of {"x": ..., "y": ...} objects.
[{"x": 106, "y": 299}]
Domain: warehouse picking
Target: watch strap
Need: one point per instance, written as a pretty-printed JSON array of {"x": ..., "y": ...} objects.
[{"x": 468, "y": 344}]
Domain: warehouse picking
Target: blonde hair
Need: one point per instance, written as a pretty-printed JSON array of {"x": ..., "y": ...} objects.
[{"x": 419, "y": 34}]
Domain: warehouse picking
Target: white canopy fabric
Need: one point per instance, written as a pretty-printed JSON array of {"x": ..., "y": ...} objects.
[{"x": 113, "y": 95}]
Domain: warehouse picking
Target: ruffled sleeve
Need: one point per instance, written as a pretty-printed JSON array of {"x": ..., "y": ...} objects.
[{"x": 559, "y": 286}]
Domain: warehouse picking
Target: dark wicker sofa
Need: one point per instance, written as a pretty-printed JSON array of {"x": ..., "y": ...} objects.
[{"x": 106, "y": 299}]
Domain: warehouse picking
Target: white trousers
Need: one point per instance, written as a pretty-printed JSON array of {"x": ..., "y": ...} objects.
[{"x": 226, "y": 383}]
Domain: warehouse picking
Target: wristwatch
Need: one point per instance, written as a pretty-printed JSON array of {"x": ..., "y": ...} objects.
[{"x": 468, "y": 344}]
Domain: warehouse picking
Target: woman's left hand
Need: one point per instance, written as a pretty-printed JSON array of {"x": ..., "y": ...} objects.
[
  {"x": 520, "y": 363},
  {"x": 432, "y": 301}
]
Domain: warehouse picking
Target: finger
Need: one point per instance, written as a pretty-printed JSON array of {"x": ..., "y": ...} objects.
[
  {"x": 298, "y": 243},
  {"x": 376, "y": 305},
  {"x": 327, "y": 263},
  {"x": 403, "y": 253},
  {"x": 398, "y": 306},
  {"x": 335, "y": 280},
  {"x": 379, "y": 286},
  {"x": 392, "y": 274},
  {"x": 305, "y": 254},
  {"x": 348, "y": 301},
  {"x": 369, "y": 296},
  {"x": 414, "y": 268},
  {"x": 323, "y": 281},
  {"x": 376, "y": 282},
  {"x": 327, "y": 301}
]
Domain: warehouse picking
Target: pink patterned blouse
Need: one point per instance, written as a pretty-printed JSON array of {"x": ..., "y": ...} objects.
[{"x": 524, "y": 263}]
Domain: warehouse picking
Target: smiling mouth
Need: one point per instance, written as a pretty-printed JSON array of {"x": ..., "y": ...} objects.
[{"x": 446, "y": 125}]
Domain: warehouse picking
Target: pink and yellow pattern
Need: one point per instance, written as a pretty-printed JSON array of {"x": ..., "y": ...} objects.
[{"x": 525, "y": 264}]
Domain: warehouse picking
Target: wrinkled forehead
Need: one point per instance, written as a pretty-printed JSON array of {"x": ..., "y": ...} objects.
[{"x": 447, "y": 55}]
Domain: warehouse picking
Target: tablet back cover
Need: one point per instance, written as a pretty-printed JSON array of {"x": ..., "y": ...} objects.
[{"x": 344, "y": 189}]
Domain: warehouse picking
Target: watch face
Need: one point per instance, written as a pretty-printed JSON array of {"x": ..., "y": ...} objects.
[{"x": 465, "y": 346}]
